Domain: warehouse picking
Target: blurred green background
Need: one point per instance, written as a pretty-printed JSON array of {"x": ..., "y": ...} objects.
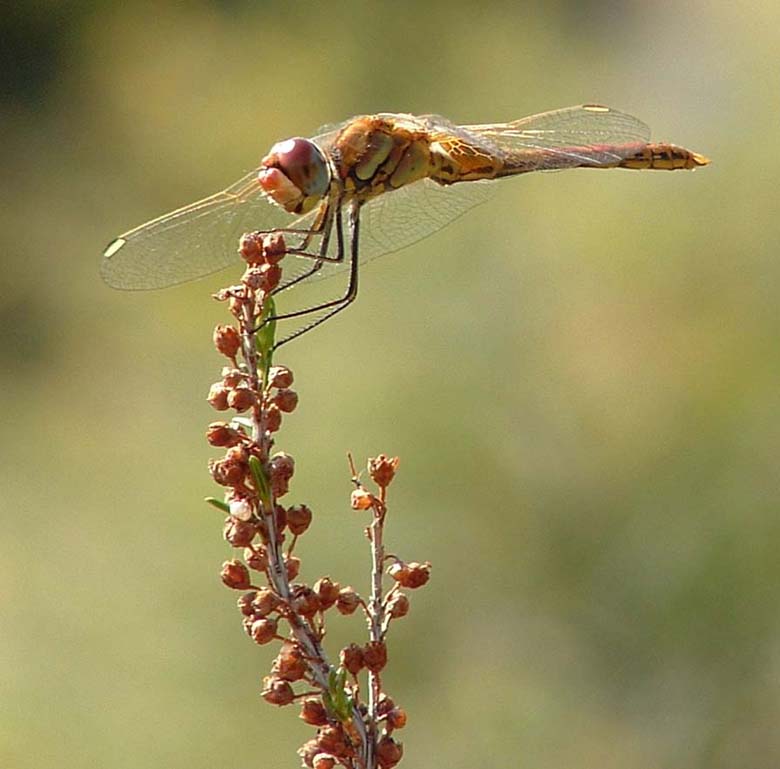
[{"x": 581, "y": 379}]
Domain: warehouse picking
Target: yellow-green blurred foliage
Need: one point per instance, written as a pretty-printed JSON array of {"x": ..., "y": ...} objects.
[{"x": 582, "y": 381}]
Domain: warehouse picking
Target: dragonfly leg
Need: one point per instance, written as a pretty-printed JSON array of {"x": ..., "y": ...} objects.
[
  {"x": 334, "y": 306},
  {"x": 322, "y": 226},
  {"x": 333, "y": 210}
]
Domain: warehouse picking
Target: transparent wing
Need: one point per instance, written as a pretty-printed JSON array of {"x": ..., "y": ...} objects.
[
  {"x": 405, "y": 216},
  {"x": 193, "y": 241},
  {"x": 402, "y": 217},
  {"x": 588, "y": 134},
  {"x": 200, "y": 238}
]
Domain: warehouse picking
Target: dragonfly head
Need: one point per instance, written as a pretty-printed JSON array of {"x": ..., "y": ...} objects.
[{"x": 295, "y": 175}]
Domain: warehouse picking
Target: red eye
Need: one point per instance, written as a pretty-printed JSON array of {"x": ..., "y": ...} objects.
[{"x": 301, "y": 161}]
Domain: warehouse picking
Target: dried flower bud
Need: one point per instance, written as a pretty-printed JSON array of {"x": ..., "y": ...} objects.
[
  {"x": 293, "y": 565},
  {"x": 266, "y": 277},
  {"x": 351, "y": 658},
  {"x": 398, "y": 570},
  {"x": 241, "y": 398},
  {"x": 250, "y": 247},
  {"x": 418, "y": 574},
  {"x": 241, "y": 509},
  {"x": 385, "y": 705},
  {"x": 331, "y": 739},
  {"x": 264, "y": 630},
  {"x": 279, "y": 487},
  {"x": 305, "y": 601},
  {"x": 235, "y": 467},
  {"x": 375, "y": 655},
  {"x": 280, "y": 517},
  {"x": 244, "y": 603},
  {"x": 282, "y": 465},
  {"x": 228, "y": 473},
  {"x": 388, "y": 752},
  {"x": 298, "y": 519},
  {"x": 361, "y": 499},
  {"x": 256, "y": 558},
  {"x": 227, "y": 340},
  {"x": 286, "y": 400},
  {"x": 276, "y": 691},
  {"x": 313, "y": 712},
  {"x": 327, "y": 591},
  {"x": 272, "y": 418},
  {"x": 218, "y": 396},
  {"x": 235, "y": 575},
  {"x": 348, "y": 600},
  {"x": 411, "y": 574},
  {"x": 290, "y": 664},
  {"x": 264, "y": 602},
  {"x": 308, "y": 751},
  {"x": 238, "y": 453},
  {"x": 396, "y": 718},
  {"x": 238, "y": 533},
  {"x": 324, "y": 761},
  {"x": 382, "y": 469},
  {"x": 280, "y": 377},
  {"x": 232, "y": 377},
  {"x": 274, "y": 247},
  {"x": 398, "y": 605},
  {"x": 222, "y": 434}
]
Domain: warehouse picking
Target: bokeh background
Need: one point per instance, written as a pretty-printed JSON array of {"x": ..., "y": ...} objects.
[{"x": 581, "y": 379}]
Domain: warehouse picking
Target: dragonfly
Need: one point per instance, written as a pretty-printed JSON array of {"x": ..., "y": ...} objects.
[{"x": 372, "y": 185}]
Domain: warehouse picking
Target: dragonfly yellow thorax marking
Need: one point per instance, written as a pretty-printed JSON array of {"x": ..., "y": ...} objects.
[
  {"x": 377, "y": 154},
  {"x": 456, "y": 160}
]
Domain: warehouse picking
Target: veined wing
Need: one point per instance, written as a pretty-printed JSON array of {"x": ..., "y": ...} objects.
[
  {"x": 200, "y": 238},
  {"x": 407, "y": 215},
  {"x": 397, "y": 219},
  {"x": 192, "y": 241},
  {"x": 588, "y": 134}
]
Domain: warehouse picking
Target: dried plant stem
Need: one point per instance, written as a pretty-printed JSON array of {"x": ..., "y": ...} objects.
[
  {"x": 375, "y": 605},
  {"x": 375, "y": 611},
  {"x": 353, "y": 733},
  {"x": 305, "y": 634}
]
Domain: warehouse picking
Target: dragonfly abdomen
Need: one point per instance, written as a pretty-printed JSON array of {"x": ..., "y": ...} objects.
[{"x": 664, "y": 157}]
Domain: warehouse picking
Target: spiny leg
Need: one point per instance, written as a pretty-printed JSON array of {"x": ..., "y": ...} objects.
[
  {"x": 333, "y": 208},
  {"x": 336, "y": 305}
]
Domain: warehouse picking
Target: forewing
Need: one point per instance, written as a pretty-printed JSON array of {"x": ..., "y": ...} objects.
[
  {"x": 201, "y": 238},
  {"x": 193, "y": 241}
]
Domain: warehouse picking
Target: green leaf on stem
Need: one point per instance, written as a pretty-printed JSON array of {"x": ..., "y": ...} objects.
[
  {"x": 261, "y": 482},
  {"x": 337, "y": 699},
  {"x": 218, "y": 503},
  {"x": 266, "y": 335}
]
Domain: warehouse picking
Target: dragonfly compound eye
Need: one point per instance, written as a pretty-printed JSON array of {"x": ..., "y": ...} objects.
[{"x": 295, "y": 175}]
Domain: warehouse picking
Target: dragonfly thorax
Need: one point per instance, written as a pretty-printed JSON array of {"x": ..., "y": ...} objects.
[
  {"x": 380, "y": 153},
  {"x": 294, "y": 175}
]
